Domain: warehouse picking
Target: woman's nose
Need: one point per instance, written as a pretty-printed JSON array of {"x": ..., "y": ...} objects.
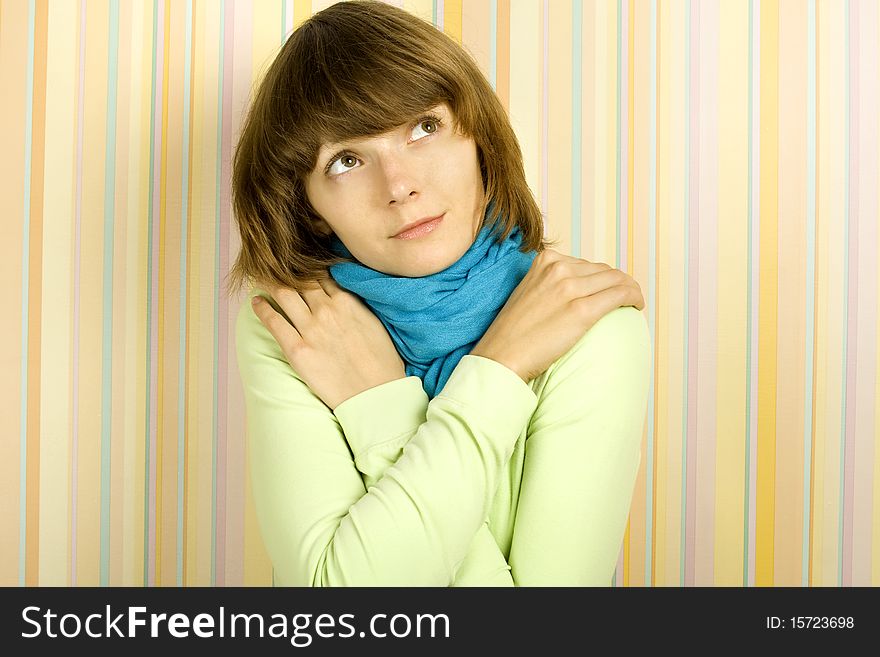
[{"x": 400, "y": 183}]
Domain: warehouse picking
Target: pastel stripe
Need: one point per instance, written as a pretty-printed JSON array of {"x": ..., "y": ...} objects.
[
  {"x": 502, "y": 54},
  {"x": 452, "y": 19},
  {"x": 651, "y": 293},
  {"x": 692, "y": 337},
  {"x": 183, "y": 370},
  {"x": 751, "y": 451},
  {"x": 27, "y": 469},
  {"x": 791, "y": 313},
  {"x": 731, "y": 271},
  {"x": 77, "y": 268},
  {"x": 493, "y": 44},
  {"x": 219, "y": 442},
  {"x": 35, "y": 302},
  {"x": 545, "y": 108},
  {"x": 151, "y": 535},
  {"x": 635, "y": 243},
  {"x": 851, "y": 298},
  {"x": 107, "y": 287},
  {"x": 809, "y": 284},
  {"x": 57, "y": 262},
  {"x": 622, "y": 17},
  {"x": 864, "y": 454},
  {"x": 652, "y": 141},
  {"x": 767, "y": 313}
]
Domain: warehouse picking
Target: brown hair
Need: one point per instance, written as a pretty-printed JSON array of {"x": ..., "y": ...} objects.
[{"x": 353, "y": 70}]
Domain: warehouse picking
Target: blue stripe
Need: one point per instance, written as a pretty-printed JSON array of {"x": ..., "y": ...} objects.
[
  {"x": 652, "y": 283},
  {"x": 748, "y": 314},
  {"x": 25, "y": 302},
  {"x": 184, "y": 245},
  {"x": 283, "y": 20},
  {"x": 493, "y": 43},
  {"x": 576, "y": 120},
  {"x": 148, "y": 379},
  {"x": 682, "y": 553},
  {"x": 811, "y": 268},
  {"x": 217, "y": 221},
  {"x": 107, "y": 303}
]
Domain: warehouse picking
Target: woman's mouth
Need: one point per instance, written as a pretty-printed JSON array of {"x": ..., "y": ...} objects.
[{"x": 421, "y": 229}]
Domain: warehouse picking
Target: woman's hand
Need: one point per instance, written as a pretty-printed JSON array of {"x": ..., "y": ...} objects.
[
  {"x": 333, "y": 341},
  {"x": 557, "y": 301}
]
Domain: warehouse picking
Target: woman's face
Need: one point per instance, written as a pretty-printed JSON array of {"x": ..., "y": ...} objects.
[{"x": 377, "y": 186}]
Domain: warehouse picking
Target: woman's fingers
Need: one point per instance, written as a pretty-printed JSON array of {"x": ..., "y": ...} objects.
[
  {"x": 285, "y": 335},
  {"x": 298, "y": 306}
]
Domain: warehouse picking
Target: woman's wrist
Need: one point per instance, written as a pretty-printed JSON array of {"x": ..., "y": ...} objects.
[{"x": 492, "y": 354}]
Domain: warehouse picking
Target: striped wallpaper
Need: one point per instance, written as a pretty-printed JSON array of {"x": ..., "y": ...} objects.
[{"x": 723, "y": 152}]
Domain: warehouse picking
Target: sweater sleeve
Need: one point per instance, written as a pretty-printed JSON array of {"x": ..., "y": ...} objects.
[
  {"x": 414, "y": 526},
  {"x": 377, "y": 424},
  {"x": 583, "y": 450}
]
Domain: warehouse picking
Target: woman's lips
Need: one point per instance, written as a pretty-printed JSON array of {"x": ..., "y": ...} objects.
[{"x": 421, "y": 229}]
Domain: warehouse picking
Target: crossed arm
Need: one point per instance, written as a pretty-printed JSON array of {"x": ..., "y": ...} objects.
[{"x": 391, "y": 489}]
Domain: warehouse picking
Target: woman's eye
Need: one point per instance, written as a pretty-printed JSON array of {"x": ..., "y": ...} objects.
[
  {"x": 347, "y": 161},
  {"x": 433, "y": 123}
]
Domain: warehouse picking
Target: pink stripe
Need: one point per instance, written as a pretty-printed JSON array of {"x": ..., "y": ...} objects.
[
  {"x": 693, "y": 294},
  {"x": 154, "y": 283},
  {"x": 864, "y": 458},
  {"x": 756, "y": 261},
  {"x": 222, "y": 382},
  {"x": 704, "y": 557},
  {"x": 74, "y": 478},
  {"x": 853, "y": 298}
]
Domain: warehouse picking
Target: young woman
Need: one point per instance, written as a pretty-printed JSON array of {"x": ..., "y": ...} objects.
[{"x": 433, "y": 396}]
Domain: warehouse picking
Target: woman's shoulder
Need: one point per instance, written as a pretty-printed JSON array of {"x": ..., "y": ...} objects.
[
  {"x": 259, "y": 354},
  {"x": 619, "y": 338},
  {"x": 250, "y": 333}
]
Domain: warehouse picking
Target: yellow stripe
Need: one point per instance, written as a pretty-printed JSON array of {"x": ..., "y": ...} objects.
[
  {"x": 637, "y": 243},
  {"x": 767, "y": 338},
  {"x": 589, "y": 134},
  {"x": 302, "y": 9},
  {"x": 673, "y": 347},
  {"x": 91, "y": 311},
  {"x": 452, "y": 19},
  {"x": 831, "y": 114},
  {"x": 608, "y": 219},
  {"x": 733, "y": 198},
  {"x": 526, "y": 88},
  {"x": 121, "y": 264},
  {"x": 56, "y": 420},
  {"x": 424, "y": 9},
  {"x": 264, "y": 34},
  {"x": 665, "y": 95},
  {"x": 559, "y": 131},
  {"x": 789, "y": 485}
]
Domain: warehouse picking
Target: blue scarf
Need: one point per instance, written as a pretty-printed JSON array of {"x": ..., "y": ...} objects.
[{"x": 437, "y": 319}]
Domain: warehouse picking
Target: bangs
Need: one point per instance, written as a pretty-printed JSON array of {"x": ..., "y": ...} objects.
[{"x": 352, "y": 79}]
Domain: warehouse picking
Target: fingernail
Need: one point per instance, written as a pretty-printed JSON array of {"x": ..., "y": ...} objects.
[{"x": 256, "y": 300}]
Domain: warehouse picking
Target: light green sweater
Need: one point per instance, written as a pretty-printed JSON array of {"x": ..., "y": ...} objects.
[{"x": 495, "y": 482}]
